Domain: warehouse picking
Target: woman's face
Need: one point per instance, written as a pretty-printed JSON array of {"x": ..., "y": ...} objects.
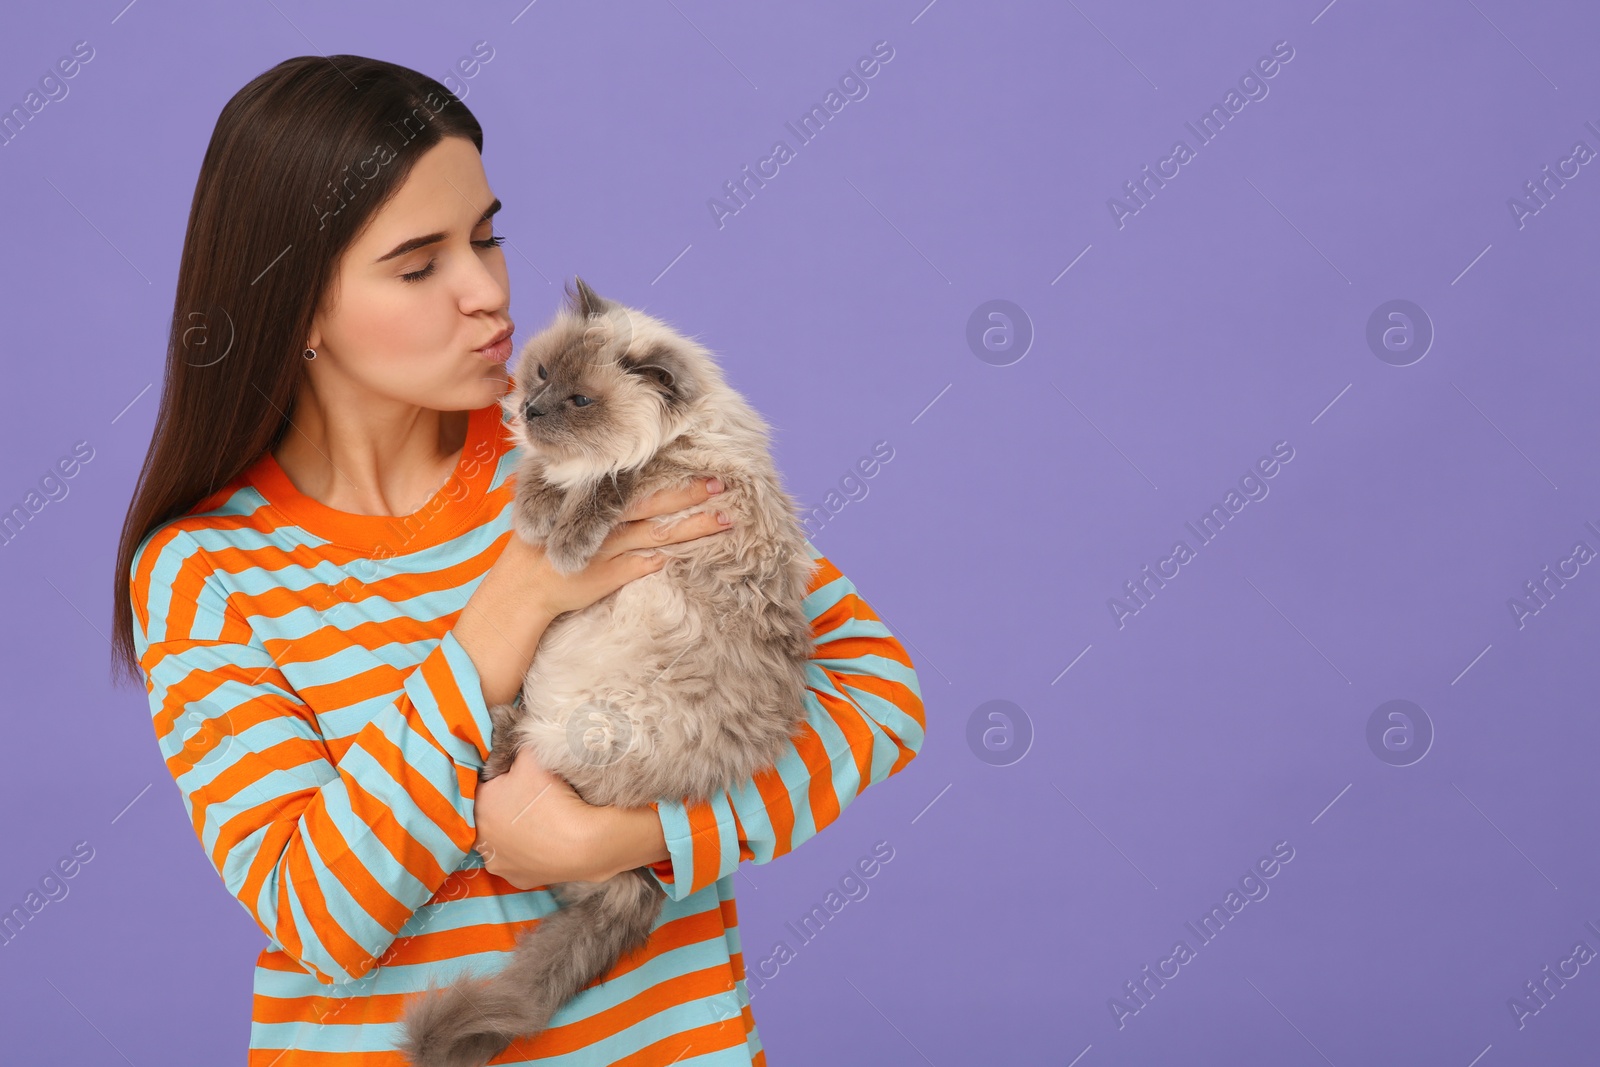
[{"x": 408, "y": 321}]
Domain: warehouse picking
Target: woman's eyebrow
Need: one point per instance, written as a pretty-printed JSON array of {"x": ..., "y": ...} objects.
[{"x": 415, "y": 243}]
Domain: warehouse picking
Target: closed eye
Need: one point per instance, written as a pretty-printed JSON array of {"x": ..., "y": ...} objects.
[{"x": 418, "y": 275}]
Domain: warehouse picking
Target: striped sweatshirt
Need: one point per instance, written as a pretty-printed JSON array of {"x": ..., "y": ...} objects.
[{"x": 326, "y": 729}]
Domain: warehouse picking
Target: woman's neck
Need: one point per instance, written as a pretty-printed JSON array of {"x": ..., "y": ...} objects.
[{"x": 369, "y": 458}]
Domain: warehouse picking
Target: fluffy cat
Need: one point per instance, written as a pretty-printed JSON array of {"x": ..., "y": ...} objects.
[{"x": 679, "y": 684}]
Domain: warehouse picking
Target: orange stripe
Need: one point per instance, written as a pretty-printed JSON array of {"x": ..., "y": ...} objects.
[
  {"x": 780, "y": 810},
  {"x": 582, "y": 1033},
  {"x": 713, "y": 1037},
  {"x": 273, "y": 843},
  {"x": 379, "y": 819},
  {"x": 895, "y": 693},
  {"x": 745, "y": 851},
  {"x": 706, "y": 842},
  {"x": 820, "y": 795},
  {"x": 329, "y": 639},
  {"x": 218, "y": 729},
  {"x": 186, "y": 587},
  {"x": 465, "y": 941},
  {"x": 335, "y": 940},
  {"x": 826, "y": 572},
  {"x": 139, "y": 586},
  {"x": 298, "y": 1058},
  {"x": 453, "y": 707},
  {"x": 847, "y": 718},
  {"x": 421, "y": 791},
  {"x": 856, "y": 647},
  {"x": 284, "y": 931},
  {"x": 245, "y": 774},
  {"x": 337, "y": 855}
]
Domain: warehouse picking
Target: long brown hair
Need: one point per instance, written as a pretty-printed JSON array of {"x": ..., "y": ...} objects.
[{"x": 299, "y": 161}]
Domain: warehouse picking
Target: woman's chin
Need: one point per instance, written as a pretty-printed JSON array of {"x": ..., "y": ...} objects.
[{"x": 491, "y": 385}]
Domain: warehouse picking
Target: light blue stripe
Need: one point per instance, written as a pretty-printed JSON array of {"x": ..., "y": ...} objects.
[
  {"x": 344, "y": 722},
  {"x": 891, "y": 715},
  {"x": 854, "y": 627},
  {"x": 757, "y": 822},
  {"x": 270, "y": 791},
  {"x": 311, "y": 947},
  {"x": 163, "y": 572},
  {"x": 825, "y": 596},
  {"x": 373, "y": 854},
  {"x": 845, "y": 779},
  {"x": 349, "y": 662},
  {"x": 379, "y": 782},
  {"x": 339, "y": 902},
  {"x": 469, "y": 688},
  {"x": 425, "y": 703},
  {"x": 236, "y": 865},
  {"x": 874, "y": 665},
  {"x": 675, "y": 828},
  {"x": 727, "y": 837},
  {"x": 300, "y": 577}
]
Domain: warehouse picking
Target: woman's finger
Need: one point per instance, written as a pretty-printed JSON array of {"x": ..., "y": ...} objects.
[
  {"x": 652, "y": 533},
  {"x": 666, "y": 501}
]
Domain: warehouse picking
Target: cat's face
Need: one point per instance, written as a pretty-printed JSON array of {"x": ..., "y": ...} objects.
[{"x": 602, "y": 388}]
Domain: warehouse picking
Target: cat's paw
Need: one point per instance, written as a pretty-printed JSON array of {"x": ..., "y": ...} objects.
[
  {"x": 533, "y": 519},
  {"x": 503, "y": 748},
  {"x": 570, "y": 548},
  {"x": 533, "y": 533},
  {"x": 585, "y": 520}
]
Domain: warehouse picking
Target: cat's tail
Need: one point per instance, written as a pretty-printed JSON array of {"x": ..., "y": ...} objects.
[{"x": 473, "y": 1019}]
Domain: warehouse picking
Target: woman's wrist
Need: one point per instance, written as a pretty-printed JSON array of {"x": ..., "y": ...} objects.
[
  {"x": 500, "y": 635},
  {"x": 625, "y": 838}
]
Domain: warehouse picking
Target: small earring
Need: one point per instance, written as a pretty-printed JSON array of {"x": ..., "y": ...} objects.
[{"x": 310, "y": 353}]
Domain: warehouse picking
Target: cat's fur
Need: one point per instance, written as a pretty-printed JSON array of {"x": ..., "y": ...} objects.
[{"x": 679, "y": 684}]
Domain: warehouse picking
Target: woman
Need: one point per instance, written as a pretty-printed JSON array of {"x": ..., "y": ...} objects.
[{"x": 319, "y": 582}]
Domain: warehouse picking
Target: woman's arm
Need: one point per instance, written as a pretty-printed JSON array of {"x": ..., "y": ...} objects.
[
  {"x": 329, "y": 851},
  {"x": 621, "y": 839},
  {"x": 864, "y": 722}
]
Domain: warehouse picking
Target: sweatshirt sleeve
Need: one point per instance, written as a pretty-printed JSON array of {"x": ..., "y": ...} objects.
[
  {"x": 329, "y": 856},
  {"x": 864, "y": 721}
]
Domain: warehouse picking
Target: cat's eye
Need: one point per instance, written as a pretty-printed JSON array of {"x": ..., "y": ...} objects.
[
  {"x": 581, "y": 401},
  {"x": 543, "y": 374}
]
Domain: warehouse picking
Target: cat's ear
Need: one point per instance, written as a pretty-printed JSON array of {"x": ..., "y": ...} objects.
[
  {"x": 585, "y": 302},
  {"x": 668, "y": 371}
]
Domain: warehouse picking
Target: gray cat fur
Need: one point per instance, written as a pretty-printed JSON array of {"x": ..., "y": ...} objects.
[{"x": 679, "y": 684}]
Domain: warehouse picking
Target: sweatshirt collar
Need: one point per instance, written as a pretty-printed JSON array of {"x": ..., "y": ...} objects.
[{"x": 444, "y": 515}]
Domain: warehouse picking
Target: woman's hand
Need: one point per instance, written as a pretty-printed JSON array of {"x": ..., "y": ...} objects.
[
  {"x": 534, "y": 829},
  {"x": 506, "y": 615},
  {"x": 624, "y": 555}
]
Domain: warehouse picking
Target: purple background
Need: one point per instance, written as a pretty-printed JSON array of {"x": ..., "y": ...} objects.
[{"x": 1227, "y": 315}]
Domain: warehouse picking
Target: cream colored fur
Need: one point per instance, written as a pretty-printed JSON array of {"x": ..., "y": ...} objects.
[{"x": 679, "y": 684}]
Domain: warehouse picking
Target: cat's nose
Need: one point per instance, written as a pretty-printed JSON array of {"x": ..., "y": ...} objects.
[{"x": 531, "y": 411}]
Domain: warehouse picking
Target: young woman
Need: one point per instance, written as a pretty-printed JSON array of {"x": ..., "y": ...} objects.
[{"x": 319, "y": 583}]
